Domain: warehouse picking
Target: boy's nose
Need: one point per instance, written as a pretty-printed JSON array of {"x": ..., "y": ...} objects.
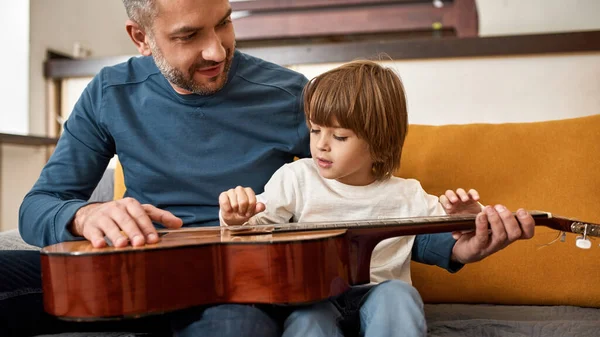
[{"x": 322, "y": 145}]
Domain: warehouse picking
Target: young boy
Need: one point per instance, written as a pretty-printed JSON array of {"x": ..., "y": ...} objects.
[{"x": 358, "y": 121}]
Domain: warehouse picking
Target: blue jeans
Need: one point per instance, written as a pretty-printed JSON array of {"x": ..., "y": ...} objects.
[{"x": 391, "y": 308}]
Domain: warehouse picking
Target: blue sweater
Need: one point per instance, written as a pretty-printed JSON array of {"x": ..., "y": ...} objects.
[{"x": 178, "y": 152}]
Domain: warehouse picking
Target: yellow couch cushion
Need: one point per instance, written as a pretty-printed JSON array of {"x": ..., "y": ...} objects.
[
  {"x": 119, "y": 187},
  {"x": 552, "y": 166}
]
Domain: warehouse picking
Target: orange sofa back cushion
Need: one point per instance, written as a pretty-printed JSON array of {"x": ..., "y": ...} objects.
[{"x": 551, "y": 166}]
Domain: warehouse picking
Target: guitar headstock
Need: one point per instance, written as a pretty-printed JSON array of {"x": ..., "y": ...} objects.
[{"x": 569, "y": 225}]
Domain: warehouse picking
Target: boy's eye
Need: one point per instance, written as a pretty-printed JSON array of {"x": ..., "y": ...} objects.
[
  {"x": 340, "y": 138},
  {"x": 314, "y": 131}
]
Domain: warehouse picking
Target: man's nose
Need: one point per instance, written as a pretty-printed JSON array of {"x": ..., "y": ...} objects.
[{"x": 214, "y": 50}]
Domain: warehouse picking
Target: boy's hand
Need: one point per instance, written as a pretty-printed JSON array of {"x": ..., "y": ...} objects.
[
  {"x": 239, "y": 205},
  {"x": 461, "y": 202}
]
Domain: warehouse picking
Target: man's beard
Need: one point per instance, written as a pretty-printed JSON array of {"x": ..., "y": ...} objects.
[{"x": 186, "y": 82}]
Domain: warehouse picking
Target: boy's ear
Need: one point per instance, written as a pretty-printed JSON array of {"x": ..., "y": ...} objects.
[{"x": 139, "y": 37}]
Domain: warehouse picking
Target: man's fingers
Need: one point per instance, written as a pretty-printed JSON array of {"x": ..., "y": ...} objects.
[
  {"x": 164, "y": 217},
  {"x": 527, "y": 224},
  {"x": 458, "y": 234},
  {"x": 481, "y": 229},
  {"x": 128, "y": 224},
  {"x": 496, "y": 223},
  {"x": 125, "y": 221},
  {"x": 95, "y": 236},
  {"x": 510, "y": 224},
  {"x": 113, "y": 232},
  {"x": 148, "y": 232}
]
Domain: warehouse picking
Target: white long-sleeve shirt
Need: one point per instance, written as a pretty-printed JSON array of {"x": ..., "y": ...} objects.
[{"x": 297, "y": 193}]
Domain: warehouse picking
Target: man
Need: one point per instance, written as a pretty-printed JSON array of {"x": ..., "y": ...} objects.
[{"x": 191, "y": 118}]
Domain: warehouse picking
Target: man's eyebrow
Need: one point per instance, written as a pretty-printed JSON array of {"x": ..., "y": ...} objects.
[
  {"x": 185, "y": 29},
  {"x": 226, "y": 15},
  {"x": 192, "y": 29}
]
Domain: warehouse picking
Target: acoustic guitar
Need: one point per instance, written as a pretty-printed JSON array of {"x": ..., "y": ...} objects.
[{"x": 291, "y": 263}]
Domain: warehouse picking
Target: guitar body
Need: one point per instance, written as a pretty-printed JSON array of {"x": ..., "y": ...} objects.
[
  {"x": 294, "y": 263},
  {"x": 191, "y": 268}
]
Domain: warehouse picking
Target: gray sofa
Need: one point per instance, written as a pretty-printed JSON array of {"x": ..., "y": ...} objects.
[{"x": 444, "y": 320}]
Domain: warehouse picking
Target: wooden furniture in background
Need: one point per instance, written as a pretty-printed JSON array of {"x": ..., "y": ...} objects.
[
  {"x": 422, "y": 48},
  {"x": 58, "y": 71},
  {"x": 24, "y": 140},
  {"x": 305, "y": 19}
]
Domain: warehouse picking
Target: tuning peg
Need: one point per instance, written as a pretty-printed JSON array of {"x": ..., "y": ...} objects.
[{"x": 583, "y": 242}]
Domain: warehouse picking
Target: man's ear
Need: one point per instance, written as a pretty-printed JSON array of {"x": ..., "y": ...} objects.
[{"x": 139, "y": 37}]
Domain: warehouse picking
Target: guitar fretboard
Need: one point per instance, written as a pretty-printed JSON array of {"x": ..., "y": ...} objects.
[
  {"x": 427, "y": 224},
  {"x": 356, "y": 224}
]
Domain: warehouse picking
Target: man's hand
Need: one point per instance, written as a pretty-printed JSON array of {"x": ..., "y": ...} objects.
[
  {"x": 95, "y": 221},
  {"x": 504, "y": 229},
  {"x": 461, "y": 202},
  {"x": 239, "y": 205}
]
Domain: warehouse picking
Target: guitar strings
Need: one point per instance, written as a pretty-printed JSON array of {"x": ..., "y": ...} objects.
[{"x": 561, "y": 235}]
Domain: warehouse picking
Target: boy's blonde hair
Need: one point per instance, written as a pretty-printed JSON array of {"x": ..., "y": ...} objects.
[{"x": 368, "y": 99}]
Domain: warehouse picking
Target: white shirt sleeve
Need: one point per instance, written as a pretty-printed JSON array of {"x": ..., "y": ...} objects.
[
  {"x": 280, "y": 198},
  {"x": 434, "y": 207}
]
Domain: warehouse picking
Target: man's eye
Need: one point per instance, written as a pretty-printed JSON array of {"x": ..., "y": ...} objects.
[
  {"x": 225, "y": 23},
  {"x": 186, "y": 37}
]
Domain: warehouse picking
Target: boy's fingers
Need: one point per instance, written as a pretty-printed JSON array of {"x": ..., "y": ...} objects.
[
  {"x": 224, "y": 203},
  {"x": 251, "y": 201},
  {"x": 451, "y": 195},
  {"x": 231, "y": 195},
  {"x": 242, "y": 200},
  {"x": 474, "y": 194},
  {"x": 260, "y": 207},
  {"x": 462, "y": 194},
  {"x": 444, "y": 201}
]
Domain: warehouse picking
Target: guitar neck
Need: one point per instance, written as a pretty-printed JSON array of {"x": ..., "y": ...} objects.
[
  {"x": 428, "y": 225},
  {"x": 362, "y": 236}
]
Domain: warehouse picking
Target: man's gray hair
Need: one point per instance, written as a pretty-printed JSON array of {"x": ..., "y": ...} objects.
[{"x": 141, "y": 11}]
